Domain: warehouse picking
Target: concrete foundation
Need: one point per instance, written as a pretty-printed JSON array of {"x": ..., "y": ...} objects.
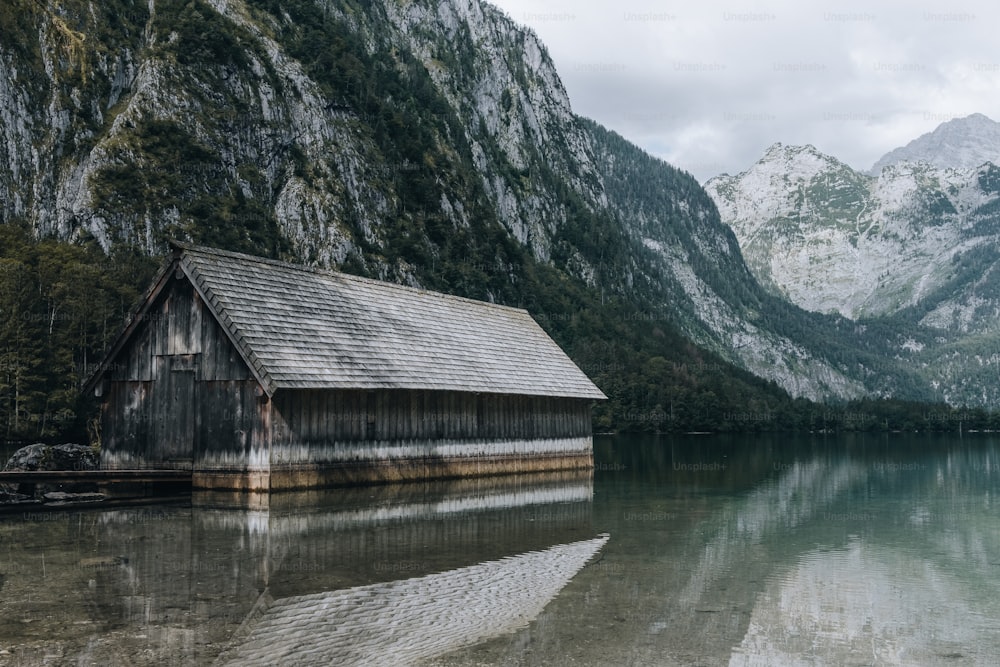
[{"x": 347, "y": 473}]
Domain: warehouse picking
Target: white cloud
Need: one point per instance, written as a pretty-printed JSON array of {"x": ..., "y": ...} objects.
[{"x": 709, "y": 85}]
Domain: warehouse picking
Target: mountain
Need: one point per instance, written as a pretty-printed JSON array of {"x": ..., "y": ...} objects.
[
  {"x": 771, "y": 207},
  {"x": 916, "y": 249},
  {"x": 429, "y": 143},
  {"x": 706, "y": 289},
  {"x": 832, "y": 239},
  {"x": 959, "y": 143}
]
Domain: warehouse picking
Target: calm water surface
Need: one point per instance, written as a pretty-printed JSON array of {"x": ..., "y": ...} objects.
[{"x": 718, "y": 551}]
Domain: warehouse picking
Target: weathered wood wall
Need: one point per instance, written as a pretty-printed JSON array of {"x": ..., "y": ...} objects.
[
  {"x": 322, "y": 438},
  {"x": 179, "y": 392},
  {"x": 324, "y": 417}
]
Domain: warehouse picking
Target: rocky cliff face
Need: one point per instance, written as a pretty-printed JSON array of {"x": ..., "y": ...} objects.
[
  {"x": 426, "y": 142},
  {"x": 832, "y": 239},
  {"x": 915, "y": 247},
  {"x": 703, "y": 280},
  {"x": 209, "y": 106}
]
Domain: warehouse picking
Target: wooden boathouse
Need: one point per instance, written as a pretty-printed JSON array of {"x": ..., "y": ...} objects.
[{"x": 262, "y": 375}]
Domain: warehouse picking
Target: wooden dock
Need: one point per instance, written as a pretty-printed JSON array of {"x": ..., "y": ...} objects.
[
  {"x": 150, "y": 476},
  {"x": 114, "y": 488}
]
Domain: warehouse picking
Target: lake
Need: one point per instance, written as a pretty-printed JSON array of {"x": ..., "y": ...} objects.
[{"x": 696, "y": 550}]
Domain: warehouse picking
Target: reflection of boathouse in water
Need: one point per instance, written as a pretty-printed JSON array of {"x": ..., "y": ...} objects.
[
  {"x": 262, "y": 375},
  {"x": 385, "y": 575},
  {"x": 413, "y": 619}
]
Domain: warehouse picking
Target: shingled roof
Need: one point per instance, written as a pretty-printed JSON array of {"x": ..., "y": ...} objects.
[{"x": 304, "y": 328}]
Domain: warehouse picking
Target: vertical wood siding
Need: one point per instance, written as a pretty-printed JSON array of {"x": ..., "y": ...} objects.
[
  {"x": 180, "y": 391},
  {"x": 321, "y": 417}
]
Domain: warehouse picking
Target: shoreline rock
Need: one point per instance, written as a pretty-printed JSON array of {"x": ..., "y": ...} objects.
[{"x": 39, "y": 456}]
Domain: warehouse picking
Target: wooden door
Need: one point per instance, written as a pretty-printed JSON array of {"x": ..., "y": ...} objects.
[{"x": 175, "y": 407}]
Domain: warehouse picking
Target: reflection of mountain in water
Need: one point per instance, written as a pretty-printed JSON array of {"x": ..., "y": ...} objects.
[
  {"x": 801, "y": 492},
  {"x": 400, "y": 622},
  {"x": 868, "y": 606},
  {"x": 921, "y": 556},
  {"x": 859, "y": 525}
]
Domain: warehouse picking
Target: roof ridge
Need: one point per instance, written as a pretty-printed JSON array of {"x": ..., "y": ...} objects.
[{"x": 207, "y": 250}]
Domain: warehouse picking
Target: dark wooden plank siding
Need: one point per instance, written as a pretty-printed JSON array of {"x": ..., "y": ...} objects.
[
  {"x": 126, "y": 421},
  {"x": 232, "y": 424},
  {"x": 178, "y": 323},
  {"x": 174, "y": 401},
  {"x": 180, "y": 391},
  {"x": 157, "y": 319},
  {"x": 328, "y": 417}
]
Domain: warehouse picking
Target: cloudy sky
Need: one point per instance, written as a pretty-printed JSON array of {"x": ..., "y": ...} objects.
[{"x": 709, "y": 85}]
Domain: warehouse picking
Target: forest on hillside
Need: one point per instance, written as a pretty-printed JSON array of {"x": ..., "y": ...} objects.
[{"x": 62, "y": 304}]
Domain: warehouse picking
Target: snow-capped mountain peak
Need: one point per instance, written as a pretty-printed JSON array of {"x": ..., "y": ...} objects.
[
  {"x": 832, "y": 239},
  {"x": 917, "y": 244},
  {"x": 958, "y": 143}
]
